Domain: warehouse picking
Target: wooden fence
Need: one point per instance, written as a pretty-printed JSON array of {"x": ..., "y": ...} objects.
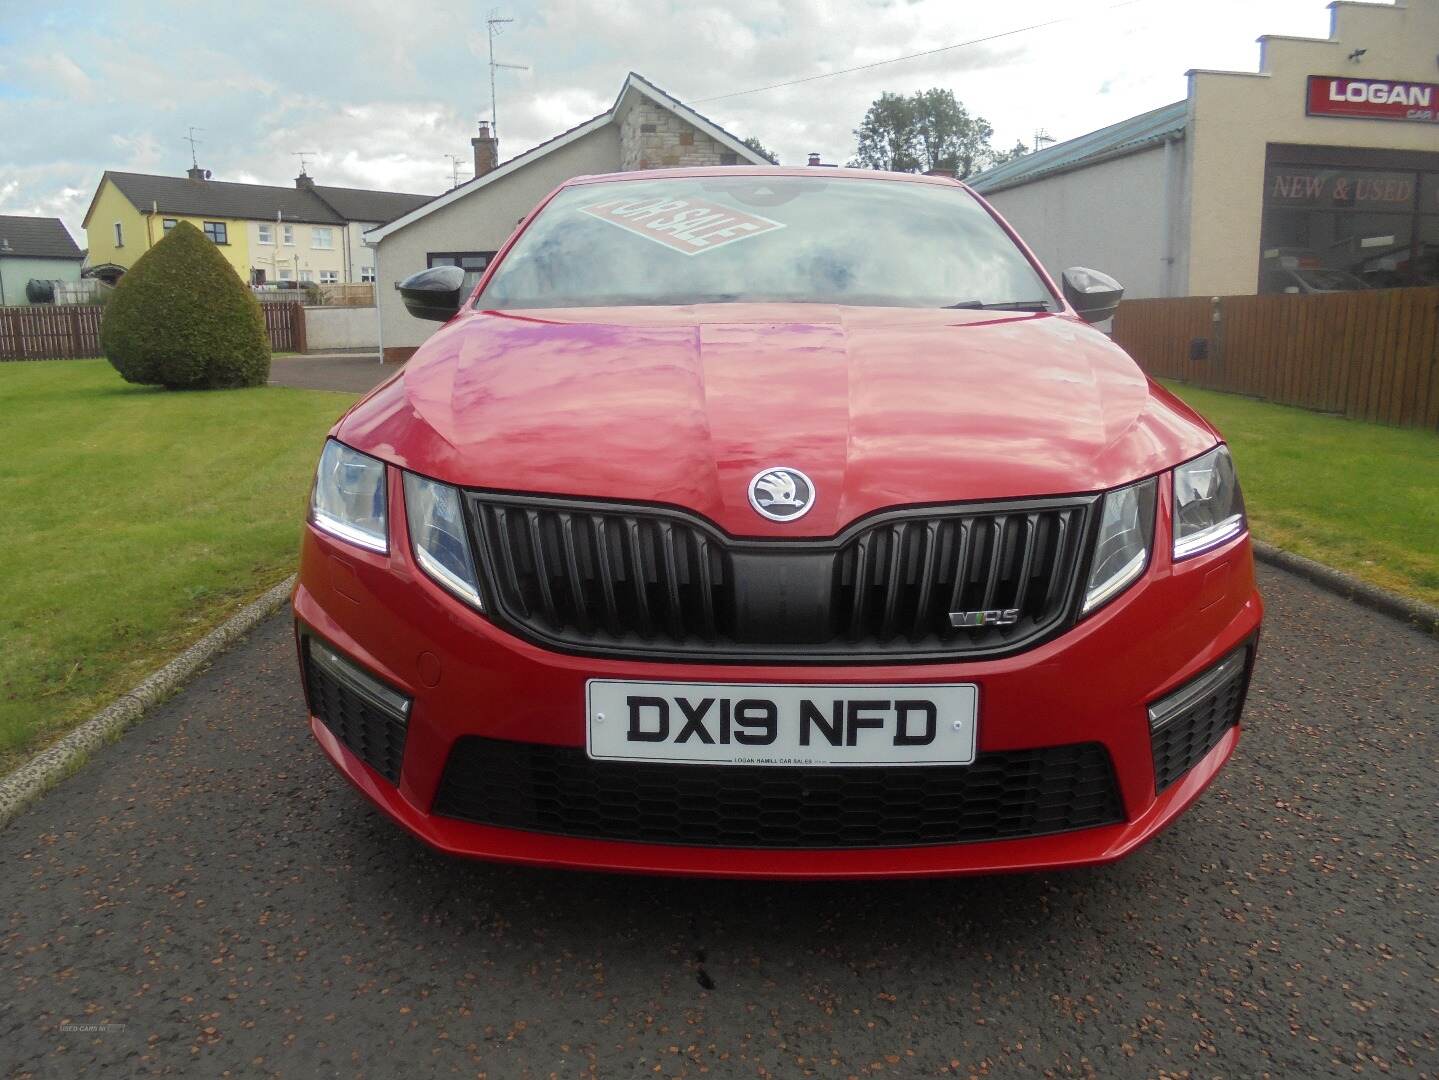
[
  {"x": 362, "y": 295},
  {"x": 1371, "y": 355},
  {"x": 46, "y": 332}
]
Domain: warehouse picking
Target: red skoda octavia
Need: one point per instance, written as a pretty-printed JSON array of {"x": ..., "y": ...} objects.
[{"x": 775, "y": 523}]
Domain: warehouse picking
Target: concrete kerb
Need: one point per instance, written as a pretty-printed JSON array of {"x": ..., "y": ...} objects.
[
  {"x": 46, "y": 769},
  {"x": 1423, "y": 617}
]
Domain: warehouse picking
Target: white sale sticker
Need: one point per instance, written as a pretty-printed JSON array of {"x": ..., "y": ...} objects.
[{"x": 690, "y": 226}]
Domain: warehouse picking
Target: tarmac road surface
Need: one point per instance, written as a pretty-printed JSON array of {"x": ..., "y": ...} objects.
[{"x": 208, "y": 896}]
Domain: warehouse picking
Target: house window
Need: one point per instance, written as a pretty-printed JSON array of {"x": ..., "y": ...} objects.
[
  {"x": 329, "y": 277},
  {"x": 307, "y": 275},
  {"x": 367, "y": 274},
  {"x": 287, "y": 275},
  {"x": 287, "y": 234},
  {"x": 119, "y": 235},
  {"x": 322, "y": 238},
  {"x": 472, "y": 262},
  {"x": 267, "y": 233},
  {"x": 217, "y": 232},
  {"x": 168, "y": 224}
]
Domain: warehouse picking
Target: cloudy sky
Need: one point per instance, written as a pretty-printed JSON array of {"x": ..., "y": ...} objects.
[{"x": 381, "y": 91}]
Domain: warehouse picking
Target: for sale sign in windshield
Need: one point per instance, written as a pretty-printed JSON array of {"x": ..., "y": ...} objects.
[
  {"x": 689, "y": 226},
  {"x": 1373, "y": 99}
]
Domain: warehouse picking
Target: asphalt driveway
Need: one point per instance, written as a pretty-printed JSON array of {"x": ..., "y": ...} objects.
[
  {"x": 209, "y": 897},
  {"x": 354, "y": 373}
]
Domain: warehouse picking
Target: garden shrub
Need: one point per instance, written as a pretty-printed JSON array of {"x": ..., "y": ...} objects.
[{"x": 182, "y": 318}]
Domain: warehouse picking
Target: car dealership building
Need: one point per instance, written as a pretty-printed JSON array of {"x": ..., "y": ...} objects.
[{"x": 1318, "y": 172}]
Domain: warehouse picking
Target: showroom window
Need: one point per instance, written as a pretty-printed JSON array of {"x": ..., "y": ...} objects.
[{"x": 1337, "y": 219}]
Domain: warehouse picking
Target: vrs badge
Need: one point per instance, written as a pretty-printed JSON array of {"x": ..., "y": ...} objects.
[{"x": 992, "y": 617}]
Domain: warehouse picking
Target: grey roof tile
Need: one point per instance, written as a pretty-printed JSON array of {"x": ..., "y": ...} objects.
[{"x": 37, "y": 237}]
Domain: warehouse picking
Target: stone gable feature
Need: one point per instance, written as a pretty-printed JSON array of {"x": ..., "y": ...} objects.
[{"x": 652, "y": 137}]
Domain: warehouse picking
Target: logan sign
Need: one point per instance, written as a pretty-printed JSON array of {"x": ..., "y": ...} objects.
[{"x": 1373, "y": 99}]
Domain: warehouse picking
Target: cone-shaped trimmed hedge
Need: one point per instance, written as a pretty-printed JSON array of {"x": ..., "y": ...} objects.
[{"x": 182, "y": 318}]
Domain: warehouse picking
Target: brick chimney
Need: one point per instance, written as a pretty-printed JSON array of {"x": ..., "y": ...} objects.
[
  {"x": 197, "y": 173},
  {"x": 305, "y": 182},
  {"x": 814, "y": 159},
  {"x": 487, "y": 149}
]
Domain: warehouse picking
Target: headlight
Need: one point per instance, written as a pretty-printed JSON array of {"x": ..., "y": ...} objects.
[
  {"x": 1208, "y": 505},
  {"x": 1126, "y": 530},
  {"x": 438, "y": 536},
  {"x": 349, "y": 497}
]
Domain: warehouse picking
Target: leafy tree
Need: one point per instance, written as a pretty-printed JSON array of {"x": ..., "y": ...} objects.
[
  {"x": 888, "y": 138},
  {"x": 182, "y": 318},
  {"x": 759, "y": 148},
  {"x": 948, "y": 136},
  {"x": 1002, "y": 156},
  {"x": 929, "y": 129}
]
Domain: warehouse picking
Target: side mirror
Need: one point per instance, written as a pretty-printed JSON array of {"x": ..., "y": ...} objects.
[
  {"x": 1093, "y": 295},
  {"x": 434, "y": 293}
]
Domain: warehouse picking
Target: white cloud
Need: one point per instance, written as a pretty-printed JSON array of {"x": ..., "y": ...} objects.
[{"x": 382, "y": 95}]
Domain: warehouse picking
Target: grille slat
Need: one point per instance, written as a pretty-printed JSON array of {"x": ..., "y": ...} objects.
[
  {"x": 1026, "y": 561},
  {"x": 559, "y": 790},
  {"x": 572, "y": 572},
  {"x": 1061, "y": 543},
  {"x": 604, "y": 571},
  {"x": 650, "y": 581},
  {"x": 674, "y": 611},
  {"x": 923, "y": 598},
  {"x": 894, "y": 580},
  {"x": 860, "y": 585},
  {"x": 635, "y": 554},
  {"x": 542, "y": 569},
  {"x": 706, "y": 587},
  {"x": 961, "y": 573}
]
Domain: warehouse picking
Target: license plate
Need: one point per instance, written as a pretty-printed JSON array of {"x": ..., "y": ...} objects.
[{"x": 781, "y": 724}]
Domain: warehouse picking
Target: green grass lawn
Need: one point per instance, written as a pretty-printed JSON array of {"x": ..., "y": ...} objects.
[
  {"x": 1360, "y": 497},
  {"x": 132, "y": 520}
]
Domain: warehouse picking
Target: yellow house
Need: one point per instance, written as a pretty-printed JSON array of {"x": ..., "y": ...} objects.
[{"x": 269, "y": 234}]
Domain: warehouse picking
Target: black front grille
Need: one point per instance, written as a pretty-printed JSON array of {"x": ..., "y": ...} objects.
[
  {"x": 642, "y": 580},
  {"x": 375, "y": 735},
  {"x": 1180, "y": 739},
  {"x": 1003, "y": 795}
]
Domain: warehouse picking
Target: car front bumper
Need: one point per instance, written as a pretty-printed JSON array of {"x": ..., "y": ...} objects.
[{"x": 467, "y": 677}]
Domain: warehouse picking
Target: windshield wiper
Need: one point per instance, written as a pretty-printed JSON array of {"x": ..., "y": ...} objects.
[{"x": 1005, "y": 305}]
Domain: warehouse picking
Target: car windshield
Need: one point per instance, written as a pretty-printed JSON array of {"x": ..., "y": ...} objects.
[{"x": 748, "y": 238}]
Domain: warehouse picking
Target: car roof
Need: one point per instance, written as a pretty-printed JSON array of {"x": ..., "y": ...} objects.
[{"x": 823, "y": 172}]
